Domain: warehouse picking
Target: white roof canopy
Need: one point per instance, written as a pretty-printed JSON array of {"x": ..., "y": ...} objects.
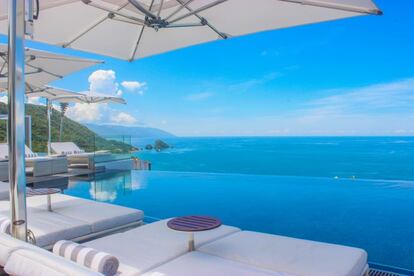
[
  {"x": 131, "y": 29},
  {"x": 43, "y": 67}
]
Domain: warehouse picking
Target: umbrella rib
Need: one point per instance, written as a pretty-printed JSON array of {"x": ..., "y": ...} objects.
[
  {"x": 182, "y": 6},
  {"x": 96, "y": 23},
  {"x": 126, "y": 21},
  {"x": 159, "y": 10},
  {"x": 43, "y": 70},
  {"x": 196, "y": 11},
  {"x": 134, "y": 52},
  {"x": 68, "y": 59},
  {"x": 222, "y": 35},
  {"x": 341, "y": 7},
  {"x": 115, "y": 12},
  {"x": 139, "y": 37}
]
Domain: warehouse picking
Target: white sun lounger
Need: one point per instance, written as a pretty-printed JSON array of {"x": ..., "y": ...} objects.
[
  {"x": 154, "y": 248},
  {"x": 37, "y": 165},
  {"x": 200, "y": 264},
  {"x": 74, "y": 218},
  {"x": 295, "y": 256},
  {"x": 144, "y": 248},
  {"x": 78, "y": 157}
]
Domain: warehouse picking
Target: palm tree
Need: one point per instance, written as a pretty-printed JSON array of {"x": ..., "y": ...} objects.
[{"x": 63, "y": 108}]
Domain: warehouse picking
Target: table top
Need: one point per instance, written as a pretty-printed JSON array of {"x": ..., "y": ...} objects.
[
  {"x": 193, "y": 223},
  {"x": 42, "y": 191}
]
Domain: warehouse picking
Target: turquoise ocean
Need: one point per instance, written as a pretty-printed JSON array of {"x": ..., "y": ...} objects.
[{"x": 390, "y": 158}]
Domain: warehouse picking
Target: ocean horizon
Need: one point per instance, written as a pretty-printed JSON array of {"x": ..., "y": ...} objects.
[{"x": 350, "y": 157}]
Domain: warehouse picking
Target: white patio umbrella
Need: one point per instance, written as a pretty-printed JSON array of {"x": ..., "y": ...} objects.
[
  {"x": 53, "y": 94},
  {"x": 131, "y": 29},
  {"x": 49, "y": 93},
  {"x": 43, "y": 67},
  {"x": 89, "y": 98}
]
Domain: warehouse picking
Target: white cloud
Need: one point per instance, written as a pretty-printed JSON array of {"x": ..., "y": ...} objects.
[
  {"x": 99, "y": 113},
  {"x": 199, "y": 96},
  {"x": 251, "y": 83},
  {"x": 87, "y": 113},
  {"x": 381, "y": 109},
  {"x": 35, "y": 100},
  {"x": 103, "y": 81},
  {"x": 123, "y": 118},
  {"x": 391, "y": 97},
  {"x": 135, "y": 86}
]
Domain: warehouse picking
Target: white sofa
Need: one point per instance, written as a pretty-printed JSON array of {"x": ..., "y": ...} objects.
[
  {"x": 35, "y": 165},
  {"x": 78, "y": 157}
]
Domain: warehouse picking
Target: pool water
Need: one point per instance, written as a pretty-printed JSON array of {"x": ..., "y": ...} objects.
[{"x": 376, "y": 215}]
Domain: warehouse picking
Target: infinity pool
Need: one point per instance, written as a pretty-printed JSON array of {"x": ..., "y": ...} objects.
[{"x": 372, "y": 214}]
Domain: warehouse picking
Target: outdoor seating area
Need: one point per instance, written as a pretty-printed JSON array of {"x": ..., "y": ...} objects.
[
  {"x": 154, "y": 249},
  {"x": 44, "y": 231},
  {"x": 77, "y": 157}
]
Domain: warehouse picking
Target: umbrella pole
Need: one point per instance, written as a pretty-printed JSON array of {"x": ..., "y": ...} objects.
[
  {"x": 16, "y": 133},
  {"x": 49, "y": 127}
]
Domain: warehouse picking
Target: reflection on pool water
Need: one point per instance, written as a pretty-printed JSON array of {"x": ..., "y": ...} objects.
[{"x": 372, "y": 214}]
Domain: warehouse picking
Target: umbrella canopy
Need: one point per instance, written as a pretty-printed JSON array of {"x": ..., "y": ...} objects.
[
  {"x": 131, "y": 29},
  {"x": 43, "y": 67},
  {"x": 49, "y": 92},
  {"x": 89, "y": 98}
]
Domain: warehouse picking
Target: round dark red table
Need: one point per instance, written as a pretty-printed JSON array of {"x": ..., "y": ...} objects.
[{"x": 193, "y": 224}]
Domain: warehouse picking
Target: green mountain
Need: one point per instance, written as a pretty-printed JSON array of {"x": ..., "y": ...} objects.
[{"x": 72, "y": 131}]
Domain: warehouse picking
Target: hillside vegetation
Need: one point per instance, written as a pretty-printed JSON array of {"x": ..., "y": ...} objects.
[{"x": 72, "y": 131}]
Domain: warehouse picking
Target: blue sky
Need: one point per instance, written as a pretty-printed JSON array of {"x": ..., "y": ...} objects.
[{"x": 347, "y": 77}]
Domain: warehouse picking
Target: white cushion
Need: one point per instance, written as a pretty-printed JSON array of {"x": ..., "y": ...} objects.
[
  {"x": 59, "y": 147},
  {"x": 196, "y": 263},
  {"x": 7, "y": 245},
  {"x": 20, "y": 258},
  {"x": 26, "y": 261},
  {"x": 100, "y": 216},
  {"x": 151, "y": 245},
  {"x": 50, "y": 227},
  {"x": 296, "y": 256}
]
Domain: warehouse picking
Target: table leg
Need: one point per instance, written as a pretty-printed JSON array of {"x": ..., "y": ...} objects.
[
  {"x": 49, "y": 203},
  {"x": 191, "y": 246}
]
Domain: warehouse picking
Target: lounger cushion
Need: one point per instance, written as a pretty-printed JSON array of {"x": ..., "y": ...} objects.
[
  {"x": 100, "y": 216},
  {"x": 22, "y": 258},
  {"x": 296, "y": 256},
  {"x": 50, "y": 227},
  {"x": 28, "y": 261},
  {"x": 196, "y": 263},
  {"x": 151, "y": 245}
]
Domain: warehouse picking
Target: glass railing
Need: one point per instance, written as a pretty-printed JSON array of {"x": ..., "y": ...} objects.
[{"x": 94, "y": 150}]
